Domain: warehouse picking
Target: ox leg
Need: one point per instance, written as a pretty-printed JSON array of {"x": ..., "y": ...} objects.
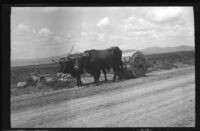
[
  {"x": 79, "y": 83},
  {"x": 96, "y": 76},
  {"x": 96, "y": 79},
  {"x": 114, "y": 70},
  {"x": 104, "y": 72},
  {"x": 119, "y": 73}
]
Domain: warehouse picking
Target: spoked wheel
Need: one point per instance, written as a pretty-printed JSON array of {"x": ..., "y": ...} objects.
[
  {"x": 138, "y": 65},
  {"x": 134, "y": 65}
]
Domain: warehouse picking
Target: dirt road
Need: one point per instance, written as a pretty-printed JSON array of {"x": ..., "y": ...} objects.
[{"x": 161, "y": 99}]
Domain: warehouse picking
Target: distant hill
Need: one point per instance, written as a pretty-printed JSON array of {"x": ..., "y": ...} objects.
[
  {"x": 158, "y": 50},
  {"x": 151, "y": 50},
  {"x": 38, "y": 61}
]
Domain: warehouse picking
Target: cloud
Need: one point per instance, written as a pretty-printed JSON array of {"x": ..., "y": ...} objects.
[
  {"x": 103, "y": 22},
  {"x": 40, "y": 43},
  {"x": 45, "y": 31},
  {"x": 164, "y": 14},
  {"x": 141, "y": 33},
  {"x": 39, "y": 46},
  {"x": 132, "y": 24},
  {"x": 22, "y": 27},
  {"x": 44, "y": 36},
  {"x": 101, "y": 36},
  {"x": 132, "y": 27},
  {"x": 84, "y": 34}
]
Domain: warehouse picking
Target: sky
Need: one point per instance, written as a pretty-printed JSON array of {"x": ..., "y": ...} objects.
[{"x": 38, "y": 32}]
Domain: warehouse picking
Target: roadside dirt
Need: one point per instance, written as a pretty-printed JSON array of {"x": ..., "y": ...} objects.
[{"x": 161, "y": 99}]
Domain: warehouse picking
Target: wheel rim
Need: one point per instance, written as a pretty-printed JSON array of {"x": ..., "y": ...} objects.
[{"x": 138, "y": 66}]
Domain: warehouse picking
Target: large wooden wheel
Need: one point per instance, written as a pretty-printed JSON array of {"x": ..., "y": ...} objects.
[
  {"x": 138, "y": 65},
  {"x": 135, "y": 66}
]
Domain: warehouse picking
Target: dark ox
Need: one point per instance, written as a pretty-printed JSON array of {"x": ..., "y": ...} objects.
[
  {"x": 93, "y": 61},
  {"x": 66, "y": 66}
]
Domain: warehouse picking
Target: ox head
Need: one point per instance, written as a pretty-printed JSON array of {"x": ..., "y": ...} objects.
[
  {"x": 80, "y": 61},
  {"x": 65, "y": 64}
]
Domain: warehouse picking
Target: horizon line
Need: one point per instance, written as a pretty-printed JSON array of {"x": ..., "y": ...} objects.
[{"x": 122, "y": 50}]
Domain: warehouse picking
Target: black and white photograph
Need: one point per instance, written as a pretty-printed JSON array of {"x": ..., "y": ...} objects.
[{"x": 102, "y": 66}]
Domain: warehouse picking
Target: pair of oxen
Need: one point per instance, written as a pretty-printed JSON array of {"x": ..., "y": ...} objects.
[{"x": 92, "y": 62}]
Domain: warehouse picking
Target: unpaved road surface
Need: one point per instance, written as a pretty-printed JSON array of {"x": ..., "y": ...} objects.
[{"x": 161, "y": 99}]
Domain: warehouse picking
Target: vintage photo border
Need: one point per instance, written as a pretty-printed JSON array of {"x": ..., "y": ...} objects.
[{"x": 5, "y": 44}]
